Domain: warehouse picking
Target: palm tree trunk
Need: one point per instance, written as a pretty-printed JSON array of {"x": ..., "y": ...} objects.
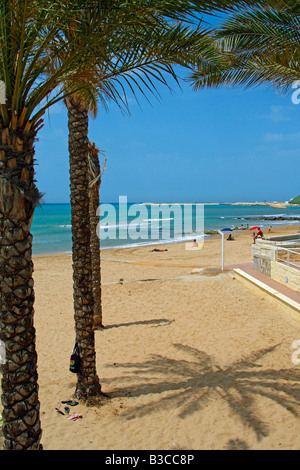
[
  {"x": 18, "y": 197},
  {"x": 87, "y": 380},
  {"x": 94, "y": 203}
]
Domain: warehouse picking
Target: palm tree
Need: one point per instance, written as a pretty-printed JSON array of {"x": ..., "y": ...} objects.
[
  {"x": 135, "y": 45},
  {"x": 120, "y": 50},
  {"x": 87, "y": 380},
  {"x": 95, "y": 174},
  {"x": 32, "y": 40},
  {"x": 28, "y": 30},
  {"x": 259, "y": 47}
]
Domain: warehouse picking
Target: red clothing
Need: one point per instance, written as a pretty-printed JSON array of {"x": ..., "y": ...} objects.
[{"x": 259, "y": 233}]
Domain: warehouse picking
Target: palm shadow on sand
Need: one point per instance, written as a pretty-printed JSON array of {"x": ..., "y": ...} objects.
[
  {"x": 191, "y": 384},
  {"x": 151, "y": 323}
]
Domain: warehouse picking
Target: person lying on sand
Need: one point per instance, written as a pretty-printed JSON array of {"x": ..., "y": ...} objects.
[
  {"x": 156, "y": 249},
  {"x": 230, "y": 237}
]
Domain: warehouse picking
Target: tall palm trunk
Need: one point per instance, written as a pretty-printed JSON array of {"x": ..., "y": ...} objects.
[
  {"x": 87, "y": 379},
  {"x": 18, "y": 197},
  {"x": 94, "y": 202}
]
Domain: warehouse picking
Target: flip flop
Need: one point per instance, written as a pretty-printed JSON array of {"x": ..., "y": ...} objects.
[
  {"x": 70, "y": 402},
  {"x": 75, "y": 417},
  {"x": 60, "y": 412}
]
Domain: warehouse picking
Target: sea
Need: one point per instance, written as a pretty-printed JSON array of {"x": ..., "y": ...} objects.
[{"x": 136, "y": 224}]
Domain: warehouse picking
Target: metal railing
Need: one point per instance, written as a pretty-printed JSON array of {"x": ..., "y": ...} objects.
[{"x": 288, "y": 257}]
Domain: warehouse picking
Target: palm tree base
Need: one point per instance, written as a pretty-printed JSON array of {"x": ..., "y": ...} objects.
[
  {"x": 99, "y": 326},
  {"x": 22, "y": 427},
  {"x": 85, "y": 391}
]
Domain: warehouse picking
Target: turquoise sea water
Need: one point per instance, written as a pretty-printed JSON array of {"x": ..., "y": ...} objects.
[{"x": 135, "y": 225}]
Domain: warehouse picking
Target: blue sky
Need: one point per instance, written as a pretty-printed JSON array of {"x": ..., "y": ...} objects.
[{"x": 224, "y": 145}]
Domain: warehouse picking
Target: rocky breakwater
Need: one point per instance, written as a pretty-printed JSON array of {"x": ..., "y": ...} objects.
[{"x": 271, "y": 218}]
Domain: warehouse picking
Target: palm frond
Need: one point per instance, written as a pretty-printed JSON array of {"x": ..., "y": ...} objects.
[{"x": 259, "y": 46}]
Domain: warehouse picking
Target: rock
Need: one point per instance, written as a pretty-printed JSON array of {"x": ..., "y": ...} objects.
[{"x": 270, "y": 218}]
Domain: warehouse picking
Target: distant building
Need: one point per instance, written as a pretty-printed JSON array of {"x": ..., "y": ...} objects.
[{"x": 295, "y": 201}]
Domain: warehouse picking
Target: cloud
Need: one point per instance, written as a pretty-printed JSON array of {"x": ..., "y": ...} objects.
[
  {"x": 281, "y": 137},
  {"x": 277, "y": 114}
]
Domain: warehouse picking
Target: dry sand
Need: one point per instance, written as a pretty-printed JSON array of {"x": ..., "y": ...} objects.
[{"x": 199, "y": 362}]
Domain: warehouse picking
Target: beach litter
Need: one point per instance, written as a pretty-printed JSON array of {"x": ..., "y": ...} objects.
[
  {"x": 70, "y": 403},
  {"x": 67, "y": 410},
  {"x": 75, "y": 417},
  {"x": 197, "y": 271},
  {"x": 206, "y": 271}
]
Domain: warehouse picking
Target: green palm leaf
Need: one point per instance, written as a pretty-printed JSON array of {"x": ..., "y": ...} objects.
[{"x": 259, "y": 46}]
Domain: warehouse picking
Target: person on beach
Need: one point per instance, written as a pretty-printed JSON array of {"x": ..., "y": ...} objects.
[
  {"x": 156, "y": 249},
  {"x": 253, "y": 237},
  {"x": 230, "y": 237},
  {"x": 195, "y": 244},
  {"x": 259, "y": 233},
  {"x": 270, "y": 229}
]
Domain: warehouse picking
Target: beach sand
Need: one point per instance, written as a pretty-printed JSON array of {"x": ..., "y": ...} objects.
[{"x": 199, "y": 362}]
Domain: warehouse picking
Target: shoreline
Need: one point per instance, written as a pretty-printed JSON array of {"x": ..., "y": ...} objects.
[
  {"x": 54, "y": 228},
  {"x": 274, "y": 204},
  {"x": 276, "y": 229}
]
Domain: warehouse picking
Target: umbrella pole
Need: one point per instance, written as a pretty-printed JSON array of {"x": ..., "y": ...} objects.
[{"x": 222, "y": 249}]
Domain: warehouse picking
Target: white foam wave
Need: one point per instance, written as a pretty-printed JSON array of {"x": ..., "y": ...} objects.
[{"x": 157, "y": 220}]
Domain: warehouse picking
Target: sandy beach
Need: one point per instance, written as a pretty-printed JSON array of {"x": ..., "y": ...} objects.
[{"x": 189, "y": 361}]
